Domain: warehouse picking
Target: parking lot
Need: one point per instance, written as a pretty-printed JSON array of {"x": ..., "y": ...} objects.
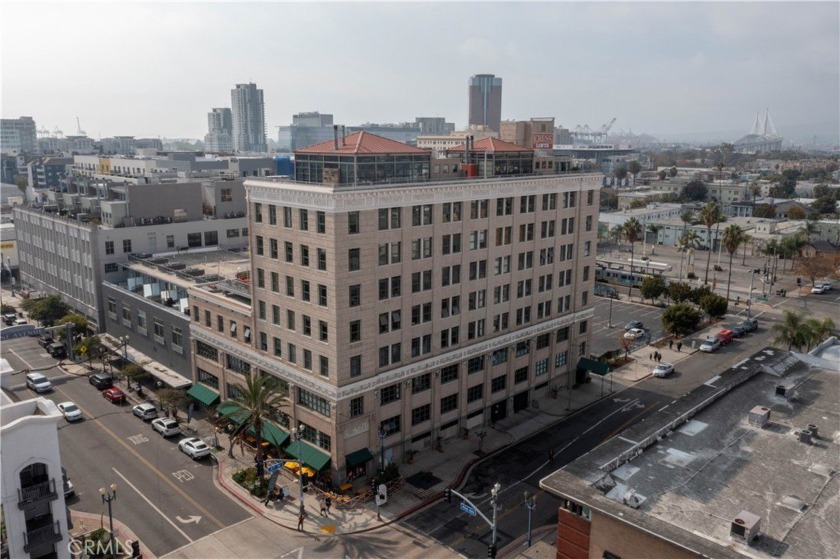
[{"x": 608, "y": 324}]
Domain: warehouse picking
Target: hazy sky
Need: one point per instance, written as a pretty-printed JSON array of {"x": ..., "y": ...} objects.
[{"x": 155, "y": 69}]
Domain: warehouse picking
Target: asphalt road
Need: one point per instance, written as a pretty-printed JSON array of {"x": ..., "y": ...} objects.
[
  {"x": 608, "y": 325},
  {"x": 519, "y": 468},
  {"x": 167, "y": 498}
]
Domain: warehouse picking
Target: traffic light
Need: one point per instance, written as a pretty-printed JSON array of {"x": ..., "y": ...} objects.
[
  {"x": 447, "y": 494},
  {"x": 491, "y": 551},
  {"x": 373, "y": 486}
]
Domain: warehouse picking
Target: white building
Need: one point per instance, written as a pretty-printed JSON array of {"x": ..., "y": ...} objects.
[
  {"x": 248, "y": 110},
  {"x": 34, "y": 511}
]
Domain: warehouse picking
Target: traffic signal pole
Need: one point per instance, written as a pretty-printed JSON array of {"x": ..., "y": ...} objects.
[{"x": 491, "y": 549}]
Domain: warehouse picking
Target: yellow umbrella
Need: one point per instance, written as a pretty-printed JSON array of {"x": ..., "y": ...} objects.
[
  {"x": 309, "y": 472},
  {"x": 292, "y": 465}
]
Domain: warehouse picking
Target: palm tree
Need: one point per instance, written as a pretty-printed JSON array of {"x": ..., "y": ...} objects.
[
  {"x": 616, "y": 234},
  {"x": 709, "y": 215},
  {"x": 632, "y": 232},
  {"x": 818, "y": 330},
  {"x": 733, "y": 237},
  {"x": 259, "y": 400},
  {"x": 790, "y": 331},
  {"x": 809, "y": 230},
  {"x": 689, "y": 239},
  {"x": 687, "y": 217},
  {"x": 653, "y": 228}
]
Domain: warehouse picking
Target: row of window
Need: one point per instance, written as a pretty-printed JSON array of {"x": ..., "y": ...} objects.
[
  {"x": 304, "y": 253},
  {"x": 302, "y": 221},
  {"x": 305, "y": 286},
  {"x": 176, "y": 334}
]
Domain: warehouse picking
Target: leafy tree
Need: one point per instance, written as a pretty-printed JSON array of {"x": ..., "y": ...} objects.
[
  {"x": 620, "y": 173},
  {"x": 791, "y": 331},
  {"x": 818, "y": 330},
  {"x": 260, "y": 400},
  {"x": 673, "y": 172},
  {"x": 797, "y": 213},
  {"x": 695, "y": 191},
  {"x": 632, "y": 232},
  {"x": 91, "y": 348},
  {"x": 609, "y": 198},
  {"x": 733, "y": 238},
  {"x": 46, "y": 310},
  {"x": 679, "y": 291},
  {"x": 171, "y": 399},
  {"x": 653, "y": 229},
  {"x": 635, "y": 168},
  {"x": 652, "y": 287},
  {"x": 710, "y": 214},
  {"x": 80, "y": 324},
  {"x": 821, "y": 190},
  {"x": 817, "y": 266},
  {"x": 715, "y": 305},
  {"x": 764, "y": 210},
  {"x": 626, "y": 344},
  {"x": 22, "y": 182},
  {"x": 824, "y": 205},
  {"x": 698, "y": 293},
  {"x": 134, "y": 373},
  {"x": 681, "y": 319},
  {"x": 662, "y": 174}
]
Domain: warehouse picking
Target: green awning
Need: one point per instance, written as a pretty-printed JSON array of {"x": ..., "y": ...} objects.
[
  {"x": 232, "y": 412},
  {"x": 309, "y": 455},
  {"x": 271, "y": 433},
  {"x": 359, "y": 457},
  {"x": 206, "y": 396},
  {"x": 586, "y": 364}
]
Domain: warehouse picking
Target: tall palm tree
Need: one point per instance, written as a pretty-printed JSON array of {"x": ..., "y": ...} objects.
[
  {"x": 689, "y": 240},
  {"x": 791, "y": 331},
  {"x": 818, "y": 330},
  {"x": 709, "y": 215},
  {"x": 654, "y": 229},
  {"x": 687, "y": 217},
  {"x": 255, "y": 405},
  {"x": 733, "y": 237},
  {"x": 632, "y": 232},
  {"x": 809, "y": 230}
]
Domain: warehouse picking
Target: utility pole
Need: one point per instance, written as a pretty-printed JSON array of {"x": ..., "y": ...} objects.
[{"x": 470, "y": 508}]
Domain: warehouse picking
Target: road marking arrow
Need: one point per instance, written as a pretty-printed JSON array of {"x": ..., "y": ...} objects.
[{"x": 188, "y": 520}]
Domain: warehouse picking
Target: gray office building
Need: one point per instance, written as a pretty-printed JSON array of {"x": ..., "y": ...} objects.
[
  {"x": 219, "y": 136},
  {"x": 485, "y": 98},
  {"x": 248, "y": 111}
]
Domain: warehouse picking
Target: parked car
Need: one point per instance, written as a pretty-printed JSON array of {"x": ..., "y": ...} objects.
[
  {"x": 71, "y": 411},
  {"x": 101, "y": 381},
  {"x": 145, "y": 412},
  {"x": 634, "y": 334},
  {"x": 710, "y": 345},
  {"x": 634, "y": 324},
  {"x": 826, "y": 286},
  {"x": 662, "y": 370},
  {"x": 166, "y": 426},
  {"x": 739, "y": 330},
  {"x": 45, "y": 341},
  {"x": 725, "y": 336},
  {"x": 69, "y": 490},
  {"x": 57, "y": 350},
  {"x": 194, "y": 447},
  {"x": 9, "y": 318},
  {"x": 38, "y": 382},
  {"x": 114, "y": 395},
  {"x": 752, "y": 322},
  {"x": 817, "y": 289},
  {"x": 20, "y": 322}
]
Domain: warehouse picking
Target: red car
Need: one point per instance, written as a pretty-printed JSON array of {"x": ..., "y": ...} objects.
[{"x": 114, "y": 395}]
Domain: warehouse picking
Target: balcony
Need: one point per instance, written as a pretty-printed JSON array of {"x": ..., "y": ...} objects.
[
  {"x": 51, "y": 533},
  {"x": 37, "y": 492}
]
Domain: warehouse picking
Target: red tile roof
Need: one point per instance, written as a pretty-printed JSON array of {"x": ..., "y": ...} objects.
[
  {"x": 359, "y": 143},
  {"x": 492, "y": 145}
]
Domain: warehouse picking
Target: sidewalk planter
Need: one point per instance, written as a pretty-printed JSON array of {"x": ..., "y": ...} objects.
[{"x": 247, "y": 478}]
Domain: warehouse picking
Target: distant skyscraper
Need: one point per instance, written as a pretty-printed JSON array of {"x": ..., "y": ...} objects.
[
  {"x": 18, "y": 135},
  {"x": 248, "y": 118},
  {"x": 219, "y": 136},
  {"x": 485, "y": 95}
]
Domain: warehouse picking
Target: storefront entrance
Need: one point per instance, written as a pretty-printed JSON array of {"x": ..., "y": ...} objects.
[
  {"x": 498, "y": 411},
  {"x": 520, "y": 401}
]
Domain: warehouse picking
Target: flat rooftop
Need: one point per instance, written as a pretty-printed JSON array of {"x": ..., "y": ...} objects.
[
  {"x": 191, "y": 267},
  {"x": 687, "y": 472}
]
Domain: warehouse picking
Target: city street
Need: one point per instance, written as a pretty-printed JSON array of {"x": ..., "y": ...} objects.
[
  {"x": 167, "y": 498},
  {"x": 610, "y": 317}
]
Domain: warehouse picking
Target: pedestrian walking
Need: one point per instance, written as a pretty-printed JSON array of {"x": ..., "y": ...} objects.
[
  {"x": 650, "y": 357},
  {"x": 671, "y": 344},
  {"x": 679, "y": 346},
  {"x": 323, "y": 509},
  {"x": 301, "y": 516},
  {"x": 328, "y": 503}
]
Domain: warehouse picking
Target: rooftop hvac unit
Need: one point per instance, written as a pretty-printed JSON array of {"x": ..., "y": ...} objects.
[
  {"x": 759, "y": 416},
  {"x": 786, "y": 391},
  {"x": 813, "y": 429},
  {"x": 804, "y": 436},
  {"x": 745, "y": 526}
]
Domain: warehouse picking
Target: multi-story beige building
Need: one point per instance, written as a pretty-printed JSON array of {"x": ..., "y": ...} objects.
[{"x": 409, "y": 310}]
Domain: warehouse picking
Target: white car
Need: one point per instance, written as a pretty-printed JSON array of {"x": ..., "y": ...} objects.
[
  {"x": 819, "y": 288},
  {"x": 38, "y": 382},
  {"x": 634, "y": 334},
  {"x": 166, "y": 426},
  {"x": 193, "y": 447},
  {"x": 826, "y": 286},
  {"x": 710, "y": 345},
  {"x": 70, "y": 410},
  {"x": 145, "y": 411},
  {"x": 662, "y": 370}
]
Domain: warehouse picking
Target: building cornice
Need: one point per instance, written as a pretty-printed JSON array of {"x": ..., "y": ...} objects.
[{"x": 339, "y": 393}]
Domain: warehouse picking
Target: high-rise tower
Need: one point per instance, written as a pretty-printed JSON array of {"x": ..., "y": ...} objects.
[
  {"x": 248, "y": 118},
  {"x": 219, "y": 136},
  {"x": 485, "y": 96}
]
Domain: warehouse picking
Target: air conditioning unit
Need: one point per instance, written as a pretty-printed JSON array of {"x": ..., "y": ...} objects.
[
  {"x": 804, "y": 436},
  {"x": 786, "y": 391},
  {"x": 745, "y": 527},
  {"x": 759, "y": 416}
]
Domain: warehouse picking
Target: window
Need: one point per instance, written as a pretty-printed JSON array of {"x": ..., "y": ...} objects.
[
  {"x": 520, "y": 375},
  {"x": 126, "y": 245},
  {"x": 421, "y": 345},
  {"x": 290, "y": 319},
  {"x": 582, "y": 348},
  {"x": 159, "y": 331},
  {"x": 112, "y": 267},
  {"x": 258, "y": 216},
  {"x": 549, "y": 202},
  {"x": 356, "y": 366},
  {"x": 211, "y": 238},
  {"x": 421, "y": 313},
  {"x": 547, "y": 229},
  {"x": 357, "y": 406},
  {"x": 544, "y": 283},
  {"x": 523, "y": 315},
  {"x": 451, "y": 212},
  {"x": 389, "y": 394},
  {"x": 542, "y": 367},
  {"x": 587, "y": 248},
  {"x": 260, "y": 248},
  {"x": 475, "y": 329},
  {"x": 390, "y": 426},
  {"x": 585, "y": 273},
  {"x": 287, "y": 217},
  {"x": 421, "y": 281},
  {"x": 291, "y": 351},
  {"x": 354, "y": 259},
  {"x": 323, "y": 331},
  {"x": 421, "y": 215},
  {"x": 523, "y": 288},
  {"x": 306, "y": 325},
  {"x": 449, "y": 336},
  {"x": 389, "y": 218},
  {"x": 500, "y": 322},
  {"x": 568, "y": 199},
  {"x": 272, "y": 209},
  {"x": 451, "y": 243},
  {"x": 304, "y": 219},
  {"x": 390, "y": 287},
  {"x": 451, "y": 275},
  {"x": 290, "y": 286},
  {"x": 170, "y": 240},
  {"x": 523, "y": 348},
  {"x": 478, "y": 270},
  {"x": 475, "y": 365},
  {"x": 260, "y": 278},
  {"x": 544, "y": 309},
  {"x": 355, "y": 295},
  {"x": 502, "y": 265},
  {"x": 504, "y": 206},
  {"x": 583, "y": 327},
  {"x": 261, "y": 310},
  {"x": 193, "y": 240},
  {"x": 590, "y": 197},
  {"x": 449, "y": 403},
  {"x": 421, "y": 414},
  {"x": 567, "y": 226},
  {"x": 313, "y": 402},
  {"x": 560, "y": 359},
  {"x": 584, "y": 298},
  {"x": 389, "y": 321},
  {"x": 421, "y": 248},
  {"x": 450, "y": 306},
  {"x": 355, "y": 331},
  {"x": 322, "y": 295},
  {"x": 206, "y": 378},
  {"x": 475, "y": 393},
  {"x": 390, "y": 253},
  {"x": 277, "y": 346},
  {"x": 477, "y": 299},
  {"x": 109, "y": 247},
  {"x": 501, "y": 293},
  {"x": 421, "y": 383},
  {"x": 353, "y": 223},
  {"x": 275, "y": 314},
  {"x": 275, "y": 282},
  {"x": 478, "y": 209},
  {"x": 546, "y": 256},
  {"x": 321, "y": 222},
  {"x": 498, "y": 384},
  {"x": 289, "y": 252},
  {"x": 499, "y": 356},
  {"x": 389, "y": 355},
  {"x": 238, "y": 365},
  {"x": 526, "y": 260},
  {"x": 562, "y": 335},
  {"x": 304, "y": 255},
  {"x": 478, "y": 239},
  {"x": 503, "y": 235},
  {"x": 449, "y": 373},
  {"x": 232, "y": 233},
  {"x": 527, "y": 204},
  {"x": 220, "y": 323},
  {"x": 589, "y": 223}
]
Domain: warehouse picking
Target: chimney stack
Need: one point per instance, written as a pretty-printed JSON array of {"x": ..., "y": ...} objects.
[
  {"x": 343, "y": 135},
  {"x": 335, "y": 136}
]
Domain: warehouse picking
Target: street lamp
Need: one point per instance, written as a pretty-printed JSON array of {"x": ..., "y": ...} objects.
[
  {"x": 109, "y": 496},
  {"x": 495, "y": 503},
  {"x": 531, "y": 504},
  {"x": 298, "y": 434},
  {"x": 749, "y": 295},
  {"x": 124, "y": 343},
  {"x": 382, "y": 435}
]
